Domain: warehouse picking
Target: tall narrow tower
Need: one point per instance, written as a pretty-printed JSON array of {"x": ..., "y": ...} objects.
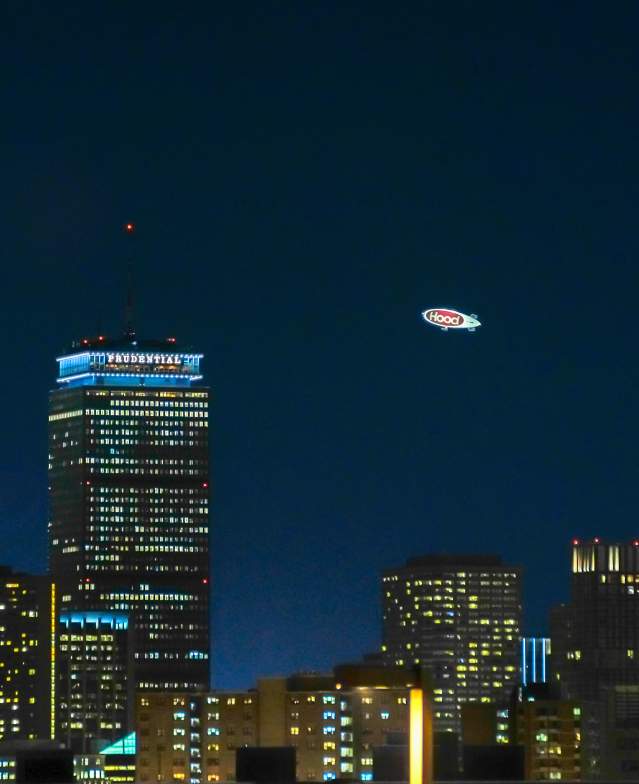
[{"x": 129, "y": 498}]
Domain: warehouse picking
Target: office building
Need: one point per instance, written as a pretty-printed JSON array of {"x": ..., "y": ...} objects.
[
  {"x": 129, "y": 499},
  {"x": 595, "y": 638},
  {"x": 459, "y": 618},
  {"x": 26, "y": 656},
  {"x": 94, "y": 679}
]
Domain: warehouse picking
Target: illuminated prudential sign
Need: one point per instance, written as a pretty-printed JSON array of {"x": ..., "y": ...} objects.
[{"x": 144, "y": 359}]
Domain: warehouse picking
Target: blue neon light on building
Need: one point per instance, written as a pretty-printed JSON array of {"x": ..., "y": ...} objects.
[
  {"x": 129, "y": 365},
  {"x": 535, "y": 652},
  {"x": 95, "y": 618}
]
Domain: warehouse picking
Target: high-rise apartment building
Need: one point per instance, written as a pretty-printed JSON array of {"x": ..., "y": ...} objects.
[
  {"x": 26, "y": 656},
  {"x": 129, "y": 499},
  {"x": 459, "y": 618},
  {"x": 595, "y": 638}
]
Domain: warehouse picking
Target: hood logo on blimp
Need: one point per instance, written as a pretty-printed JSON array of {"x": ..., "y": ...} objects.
[{"x": 451, "y": 319}]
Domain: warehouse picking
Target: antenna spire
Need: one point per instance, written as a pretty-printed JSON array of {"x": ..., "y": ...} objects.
[{"x": 129, "y": 328}]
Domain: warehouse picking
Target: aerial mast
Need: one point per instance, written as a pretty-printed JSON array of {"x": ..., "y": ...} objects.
[{"x": 129, "y": 328}]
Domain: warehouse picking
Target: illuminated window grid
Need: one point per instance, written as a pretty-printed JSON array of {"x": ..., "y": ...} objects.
[{"x": 462, "y": 623}]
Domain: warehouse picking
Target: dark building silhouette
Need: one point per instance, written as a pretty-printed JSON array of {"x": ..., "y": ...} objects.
[
  {"x": 595, "y": 640},
  {"x": 129, "y": 495},
  {"x": 36, "y": 762},
  {"x": 274, "y": 765},
  {"x": 494, "y": 763},
  {"x": 26, "y": 707}
]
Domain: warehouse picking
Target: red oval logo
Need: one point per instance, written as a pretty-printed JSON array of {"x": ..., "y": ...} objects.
[{"x": 444, "y": 318}]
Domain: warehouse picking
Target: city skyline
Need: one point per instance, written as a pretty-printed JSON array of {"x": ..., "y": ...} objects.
[{"x": 297, "y": 212}]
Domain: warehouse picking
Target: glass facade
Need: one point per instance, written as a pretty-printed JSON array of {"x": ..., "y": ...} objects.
[{"x": 129, "y": 500}]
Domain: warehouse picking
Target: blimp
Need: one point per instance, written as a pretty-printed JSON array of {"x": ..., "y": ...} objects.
[{"x": 446, "y": 319}]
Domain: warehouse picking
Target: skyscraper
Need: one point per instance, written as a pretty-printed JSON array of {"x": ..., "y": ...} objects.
[
  {"x": 595, "y": 641},
  {"x": 459, "y": 617},
  {"x": 129, "y": 498}
]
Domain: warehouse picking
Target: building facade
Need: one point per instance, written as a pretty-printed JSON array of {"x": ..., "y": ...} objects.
[
  {"x": 459, "y": 618},
  {"x": 26, "y": 656},
  {"x": 619, "y": 723},
  {"x": 334, "y": 727},
  {"x": 595, "y": 639},
  {"x": 129, "y": 499},
  {"x": 94, "y": 679},
  {"x": 549, "y": 729}
]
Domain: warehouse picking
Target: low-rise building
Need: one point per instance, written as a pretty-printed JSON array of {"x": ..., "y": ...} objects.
[{"x": 334, "y": 723}]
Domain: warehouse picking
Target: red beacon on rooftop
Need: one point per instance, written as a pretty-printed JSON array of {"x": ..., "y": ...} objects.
[
  {"x": 575, "y": 542},
  {"x": 129, "y": 228},
  {"x": 596, "y": 540},
  {"x": 636, "y": 543}
]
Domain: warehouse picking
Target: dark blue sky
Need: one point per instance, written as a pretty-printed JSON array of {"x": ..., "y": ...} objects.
[{"x": 306, "y": 178}]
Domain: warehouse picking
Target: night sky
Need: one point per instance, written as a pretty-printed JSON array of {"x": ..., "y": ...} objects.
[{"x": 306, "y": 178}]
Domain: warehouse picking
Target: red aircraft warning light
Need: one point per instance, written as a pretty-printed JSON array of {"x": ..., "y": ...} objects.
[
  {"x": 129, "y": 228},
  {"x": 575, "y": 542}
]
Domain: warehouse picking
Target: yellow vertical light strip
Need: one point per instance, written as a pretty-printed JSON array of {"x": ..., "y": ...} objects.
[
  {"x": 52, "y": 674},
  {"x": 416, "y": 756}
]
